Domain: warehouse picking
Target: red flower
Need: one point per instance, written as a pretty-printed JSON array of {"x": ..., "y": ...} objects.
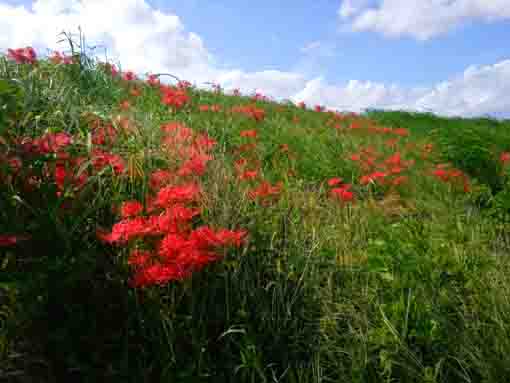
[
  {"x": 135, "y": 92},
  {"x": 334, "y": 181},
  {"x": 11, "y": 240},
  {"x": 265, "y": 189},
  {"x": 125, "y": 105},
  {"x": 153, "y": 80},
  {"x": 249, "y": 133},
  {"x": 130, "y": 209},
  {"x": 22, "y": 55},
  {"x": 52, "y": 142},
  {"x": 160, "y": 178},
  {"x": 504, "y": 158},
  {"x": 139, "y": 258},
  {"x": 196, "y": 165},
  {"x": 171, "y": 195},
  {"x": 129, "y": 76},
  {"x": 248, "y": 175},
  {"x": 373, "y": 178},
  {"x": 343, "y": 193}
]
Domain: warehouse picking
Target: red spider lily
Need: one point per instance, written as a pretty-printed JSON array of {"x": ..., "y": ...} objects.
[
  {"x": 65, "y": 175},
  {"x": 135, "y": 92},
  {"x": 139, "y": 258},
  {"x": 174, "y": 97},
  {"x": 114, "y": 71},
  {"x": 196, "y": 165},
  {"x": 184, "y": 84},
  {"x": 205, "y": 237},
  {"x": 103, "y": 135},
  {"x": 130, "y": 209},
  {"x": 391, "y": 142},
  {"x": 249, "y": 133},
  {"x": 22, "y": 55},
  {"x": 128, "y": 76},
  {"x": 452, "y": 176},
  {"x": 101, "y": 159},
  {"x": 125, "y": 105},
  {"x": 265, "y": 189},
  {"x": 248, "y": 175},
  {"x": 170, "y": 195},
  {"x": 334, "y": 181},
  {"x": 58, "y": 58},
  {"x": 401, "y": 132},
  {"x": 375, "y": 177},
  {"x": 394, "y": 160},
  {"x": 11, "y": 240},
  {"x": 250, "y": 111},
  {"x": 504, "y": 158},
  {"x": 160, "y": 178},
  {"x": 157, "y": 274},
  {"x": 49, "y": 143},
  {"x": 153, "y": 80},
  {"x": 212, "y": 108},
  {"x": 343, "y": 193},
  {"x": 203, "y": 141},
  {"x": 15, "y": 164}
]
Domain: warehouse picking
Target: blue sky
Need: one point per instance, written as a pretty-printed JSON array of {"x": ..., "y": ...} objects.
[
  {"x": 264, "y": 34},
  {"x": 451, "y": 57}
]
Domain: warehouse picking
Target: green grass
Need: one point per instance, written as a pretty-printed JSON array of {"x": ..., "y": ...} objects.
[{"x": 408, "y": 283}]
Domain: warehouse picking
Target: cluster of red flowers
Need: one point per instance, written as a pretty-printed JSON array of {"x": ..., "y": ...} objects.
[
  {"x": 387, "y": 171},
  {"x": 7, "y": 240},
  {"x": 129, "y": 76},
  {"x": 153, "y": 80},
  {"x": 60, "y": 58},
  {"x": 103, "y": 134},
  {"x": 259, "y": 97},
  {"x": 192, "y": 150},
  {"x": 250, "y": 111},
  {"x": 174, "y": 97},
  {"x": 340, "y": 191},
  {"x": 165, "y": 245},
  {"x": 265, "y": 191},
  {"x": 355, "y": 123},
  {"x": 212, "y": 108},
  {"x": 504, "y": 158},
  {"x": 22, "y": 55},
  {"x": 453, "y": 176}
]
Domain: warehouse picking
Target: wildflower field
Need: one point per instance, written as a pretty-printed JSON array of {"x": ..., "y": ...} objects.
[{"x": 154, "y": 231}]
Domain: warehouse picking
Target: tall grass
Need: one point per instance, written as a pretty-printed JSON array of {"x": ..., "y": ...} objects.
[{"x": 408, "y": 283}]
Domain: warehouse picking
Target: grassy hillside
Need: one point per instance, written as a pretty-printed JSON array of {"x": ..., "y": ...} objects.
[{"x": 164, "y": 233}]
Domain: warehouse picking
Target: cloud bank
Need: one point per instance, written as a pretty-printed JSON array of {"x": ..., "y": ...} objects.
[{"x": 145, "y": 39}]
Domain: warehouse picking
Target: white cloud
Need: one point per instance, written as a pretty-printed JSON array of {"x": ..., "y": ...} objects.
[
  {"x": 270, "y": 82},
  {"x": 420, "y": 19},
  {"x": 478, "y": 91},
  {"x": 145, "y": 39},
  {"x": 318, "y": 49},
  {"x": 138, "y": 35}
]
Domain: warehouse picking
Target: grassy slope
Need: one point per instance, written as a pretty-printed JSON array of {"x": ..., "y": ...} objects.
[{"x": 402, "y": 285}]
